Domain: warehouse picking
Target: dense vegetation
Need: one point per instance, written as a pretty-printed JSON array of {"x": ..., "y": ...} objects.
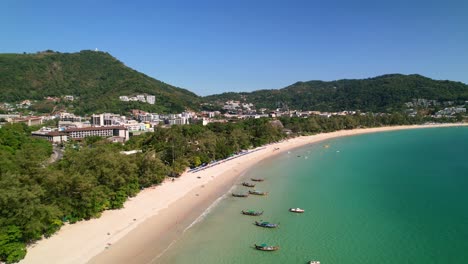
[
  {"x": 96, "y": 78},
  {"x": 385, "y": 93},
  {"x": 36, "y": 198}
]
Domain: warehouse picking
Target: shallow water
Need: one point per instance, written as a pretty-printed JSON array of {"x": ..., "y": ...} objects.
[{"x": 393, "y": 197}]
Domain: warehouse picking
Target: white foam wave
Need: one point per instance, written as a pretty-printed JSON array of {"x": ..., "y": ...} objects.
[{"x": 205, "y": 213}]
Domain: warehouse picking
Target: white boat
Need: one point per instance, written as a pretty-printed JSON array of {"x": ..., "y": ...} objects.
[
  {"x": 314, "y": 262},
  {"x": 296, "y": 210}
]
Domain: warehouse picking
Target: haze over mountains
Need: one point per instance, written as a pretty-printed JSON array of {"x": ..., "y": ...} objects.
[{"x": 98, "y": 79}]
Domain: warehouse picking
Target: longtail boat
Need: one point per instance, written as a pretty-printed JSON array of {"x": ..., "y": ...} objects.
[
  {"x": 296, "y": 210},
  {"x": 265, "y": 247},
  {"x": 240, "y": 194},
  {"x": 252, "y": 212},
  {"x": 254, "y": 192},
  {"x": 257, "y": 179},
  {"x": 314, "y": 262},
  {"x": 247, "y": 184},
  {"x": 261, "y": 223}
]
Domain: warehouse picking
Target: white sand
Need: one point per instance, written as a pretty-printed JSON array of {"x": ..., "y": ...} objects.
[{"x": 80, "y": 242}]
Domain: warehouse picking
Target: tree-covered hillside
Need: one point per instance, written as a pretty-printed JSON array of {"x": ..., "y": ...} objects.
[
  {"x": 382, "y": 93},
  {"x": 96, "y": 78}
]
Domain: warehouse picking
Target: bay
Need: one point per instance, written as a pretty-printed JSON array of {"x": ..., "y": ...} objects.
[{"x": 392, "y": 197}]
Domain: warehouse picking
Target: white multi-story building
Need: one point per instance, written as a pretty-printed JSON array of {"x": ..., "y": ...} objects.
[
  {"x": 64, "y": 116},
  {"x": 133, "y": 125},
  {"x": 123, "y": 98},
  {"x": 178, "y": 121},
  {"x": 107, "y": 119},
  {"x": 141, "y": 98},
  {"x": 151, "y": 99}
]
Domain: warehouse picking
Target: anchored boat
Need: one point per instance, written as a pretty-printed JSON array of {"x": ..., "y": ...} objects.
[
  {"x": 266, "y": 224},
  {"x": 240, "y": 194},
  {"x": 252, "y": 212},
  {"x": 247, "y": 184},
  {"x": 296, "y": 210},
  {"x": 257, "y": 179},
  {"x": 254, "y": 192},
  {"x": 265, "y": 247}
]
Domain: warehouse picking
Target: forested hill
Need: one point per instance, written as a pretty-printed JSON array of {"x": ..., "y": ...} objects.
[
  {"x": 382, "y": 93},
  {"x": 96, "y": 78}
]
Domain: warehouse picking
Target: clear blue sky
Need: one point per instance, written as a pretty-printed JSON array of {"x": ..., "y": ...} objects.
[{"x": 215, "y": 46}]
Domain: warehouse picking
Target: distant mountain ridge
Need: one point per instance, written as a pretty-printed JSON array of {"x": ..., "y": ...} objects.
[
  {"x": 382, "y": 93},
  {"x": 97, "y": 78}
]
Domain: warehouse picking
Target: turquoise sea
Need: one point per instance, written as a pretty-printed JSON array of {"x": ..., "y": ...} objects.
[{"x": 393, "y": 197}]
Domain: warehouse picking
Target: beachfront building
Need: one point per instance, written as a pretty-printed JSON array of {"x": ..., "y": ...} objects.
[
  {"x": 107, "y": 131},
  {"x": 117, "y": 133}
]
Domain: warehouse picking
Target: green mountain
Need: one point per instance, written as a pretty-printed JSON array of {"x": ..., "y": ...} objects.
[
  {"x": 96, "y": 78},
  {"x": 383, "y": 93}
]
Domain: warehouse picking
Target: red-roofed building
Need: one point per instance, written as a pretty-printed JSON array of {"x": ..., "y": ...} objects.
[{"x": 53, "y": 137}]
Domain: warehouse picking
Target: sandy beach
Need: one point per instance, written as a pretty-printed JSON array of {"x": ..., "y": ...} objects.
[{"x": 150, "y": 222}]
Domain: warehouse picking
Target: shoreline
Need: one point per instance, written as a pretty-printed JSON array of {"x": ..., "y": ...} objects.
[{"x": 150, "y": 222}]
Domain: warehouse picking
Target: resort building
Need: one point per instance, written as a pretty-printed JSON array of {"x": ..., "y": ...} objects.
[
  {"x": 117, "y": 133},
  {"x": 52, "y": 136},
  {"x": 109, "y": 131}
]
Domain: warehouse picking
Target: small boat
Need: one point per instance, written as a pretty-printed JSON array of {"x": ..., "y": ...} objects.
[
  {"x": 314, "y": 262},
  {"x": 240, "y": 194},
  {"x": 252, "y": 212},
  {"x": 266, "y": 224},
  {"x": 254, "y": 192},
  {"x": 257, "y": 179},
  {"x": 247, "y": 184},
  {"x": 265, "y": 247},
  {"x": 296, "y": 210}
]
